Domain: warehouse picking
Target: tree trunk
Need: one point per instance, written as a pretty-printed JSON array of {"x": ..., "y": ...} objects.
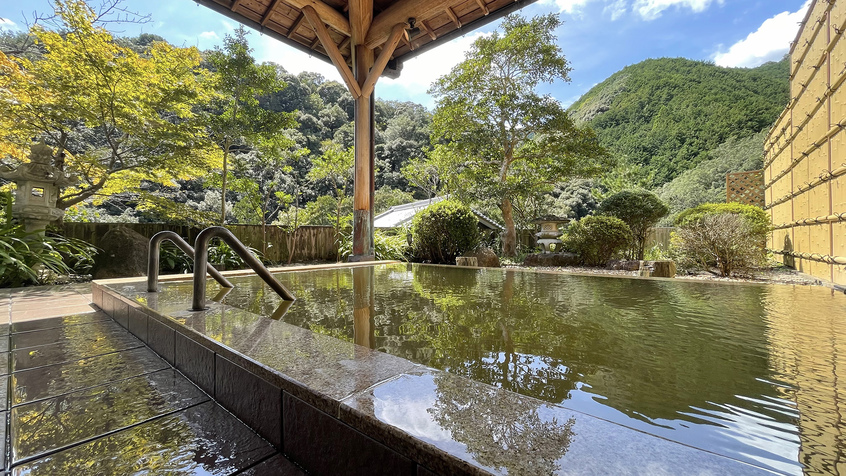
[
  {"x": 509, "y": 241},
  {"x": 223, "y": 186}
]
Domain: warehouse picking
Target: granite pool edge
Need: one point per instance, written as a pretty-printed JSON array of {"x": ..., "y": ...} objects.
[{"x": 343, "y": 417}]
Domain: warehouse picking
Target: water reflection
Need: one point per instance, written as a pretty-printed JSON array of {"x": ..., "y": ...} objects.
[{"x": 747, "y": 371}]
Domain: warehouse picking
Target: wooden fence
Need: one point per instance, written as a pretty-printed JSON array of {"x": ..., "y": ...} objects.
[{"x": 313, "y": 243}]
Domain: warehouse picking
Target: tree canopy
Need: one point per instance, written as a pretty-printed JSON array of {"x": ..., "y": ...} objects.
[{"x": 502, "y": 140}]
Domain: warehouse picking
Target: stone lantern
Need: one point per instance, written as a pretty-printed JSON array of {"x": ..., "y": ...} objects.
[
  {"x": 549, "y": 232},
  {"x": 38, "y": 184}
]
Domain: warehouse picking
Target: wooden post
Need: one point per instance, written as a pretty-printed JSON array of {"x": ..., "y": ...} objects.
[{"x": 364, "y": 183}]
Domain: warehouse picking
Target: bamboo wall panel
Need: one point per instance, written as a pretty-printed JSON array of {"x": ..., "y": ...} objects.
[{"x": 805, "y": 153}]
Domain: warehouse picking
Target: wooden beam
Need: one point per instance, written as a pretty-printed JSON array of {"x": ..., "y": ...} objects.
[
  {"x": 379, "y": 66},
  {"x": 344, "y": 43},
  {"x": 400, "y": 12},
  {"x": 314, "y": 43},
  {"x": 329, "y": 15},
  {"x": 332, "y": 50},
  {"x": 483, "y": 7},
  {"x": 361, "y": 14},
  {"x": 428, "y": 29},
  {"x": 297, "y": 23},
  {"x": 269, "y": 12},
  {"x": 452, "y": 16},
  {"x": 235, "y": 4},
  {"x": 406, "y": 40}
]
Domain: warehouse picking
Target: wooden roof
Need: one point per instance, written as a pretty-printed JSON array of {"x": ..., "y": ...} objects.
[{"x": 436, "y": 22}]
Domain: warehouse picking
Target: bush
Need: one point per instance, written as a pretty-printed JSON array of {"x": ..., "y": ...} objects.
[
  {"x": 755, "y": 217},
  {"x": 640, "y": 209},
  {"x": 223, "y": 257},
  {"x": 443, "y": 231},
  {"x": 596, "y": 239},
  {"x": 29, "y": 258},
  {"x": 726, "y": 241}
]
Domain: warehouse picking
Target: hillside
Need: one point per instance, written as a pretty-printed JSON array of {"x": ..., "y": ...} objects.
[{"x": 669, "y": 114}]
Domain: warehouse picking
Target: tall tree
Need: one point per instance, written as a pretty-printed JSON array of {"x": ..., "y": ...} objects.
[
  {"x": 238, "y": 118},
  {"x": 503, "y": 138},
  {"x": 116, "y": 117},
  {"x": 334, "y": 165}
]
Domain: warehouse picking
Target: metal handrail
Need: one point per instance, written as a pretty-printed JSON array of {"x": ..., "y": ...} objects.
[
  {"x": 155, "y": 252},
  {"x": 201, "y": 260}
]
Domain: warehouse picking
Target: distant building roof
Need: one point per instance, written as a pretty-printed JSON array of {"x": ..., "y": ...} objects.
[{"x": 399, "y": 215}]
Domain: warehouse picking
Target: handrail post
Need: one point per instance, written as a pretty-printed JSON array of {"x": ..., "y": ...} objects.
[
  {"x": 201, "y": 259},
  {"x": 153, "y": 259}
]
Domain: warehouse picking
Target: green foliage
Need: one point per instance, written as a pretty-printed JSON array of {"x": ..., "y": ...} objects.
[
  {"x": 667, "y": 114},
  {"x": 597, "y": 239},
  {"x": 758, "y": 219},
  {"x": 387, "y": 197},
  {"x": 30, "y": 259},
  {"x": 223, "y": 256},
  {"x": 387, "y": 246},
  {"x": 115, "y": 116},
  {"x": 640, "y": 209},
  {"x": 443, "y": 231},
  {"x": 499, "y": 139},
  {"x": 172, "y": 260},
  {"x": 725, "y": 241},
  {"x": 707, "y": 181}
]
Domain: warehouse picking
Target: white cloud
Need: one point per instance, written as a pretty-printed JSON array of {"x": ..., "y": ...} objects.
[
  {"x": 652, "y": 9},
  {"x": 8, "y": 25},
  {"x": 294, "y": 61},
  {"x": 209, "y": 35},
  {"x": 567, "y": 6},
  {"x": 616, "y": 9},
  {"x": 420, "y": 72},
  {"x": 770, "y": 42}
]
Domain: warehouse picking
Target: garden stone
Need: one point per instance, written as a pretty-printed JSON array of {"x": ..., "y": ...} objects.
[
  {"x": 552, "y": 259},
  {"x": 624, "y": 265},
  {"x": 124, "y": 254},
  {"x": 486, "y": 258}
]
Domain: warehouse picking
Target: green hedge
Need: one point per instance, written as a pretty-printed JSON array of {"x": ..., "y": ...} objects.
[
  {"x": 443, "y": 231},
  {"x": 757, "y": 218},
  {"x": 596, "y": 239}
]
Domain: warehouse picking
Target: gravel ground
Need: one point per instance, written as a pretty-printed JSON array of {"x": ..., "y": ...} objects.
[{"x": 770, "y": 275}]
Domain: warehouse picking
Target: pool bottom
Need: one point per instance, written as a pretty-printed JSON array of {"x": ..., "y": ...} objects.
[{"x": 336, "y": 407}]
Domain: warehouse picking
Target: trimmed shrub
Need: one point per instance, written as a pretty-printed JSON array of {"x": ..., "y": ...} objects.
[
  {"x": 640, "y": 209},
  {"x": 596, "y": 239},
  {"x": 726, "y": 242},
  {"x": 758, "y": 220},
  {"x": 443, "y": 231}
]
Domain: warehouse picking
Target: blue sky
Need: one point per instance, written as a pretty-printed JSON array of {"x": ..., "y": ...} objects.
[{"x": 599, "y": 37}]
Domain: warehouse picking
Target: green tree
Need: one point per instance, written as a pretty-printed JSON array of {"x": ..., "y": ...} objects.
[
  {"x": 504, "y": 139},
  {"x": 640, "y": 209},
  {"x": 237, "y": 118},
  {"x": 115, "y": 117},
  {"x": 334, "y": 165}
]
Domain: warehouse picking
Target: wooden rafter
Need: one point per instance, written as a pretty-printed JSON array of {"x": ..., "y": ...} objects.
[
  {"x": 344, "y": 43},
  {"x": 452, "y": 16},
  {"x": 314, "y": 43},
  {"x": 299, "y": 21},
  {"x": 269, "y": 12},
  {"x": 329, "y": 15},
  {"x": 397, "y": 33},
  {"x": 400, "y": 12},
  {"x": 235, "y": 4},
  {"x": 428, "y": 29},
  {"x": 332, "y": 50},
  {"x": 483, "y": 7}
]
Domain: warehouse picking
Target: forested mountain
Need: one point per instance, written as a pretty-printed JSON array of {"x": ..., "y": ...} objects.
[{"x": 668, "y": 115}]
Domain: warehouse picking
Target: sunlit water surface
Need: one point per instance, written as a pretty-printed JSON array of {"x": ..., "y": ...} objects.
[{"x": 747, "y": 371}]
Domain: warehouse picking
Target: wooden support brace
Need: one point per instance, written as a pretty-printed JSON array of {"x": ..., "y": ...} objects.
[
  {"x": 428, "y": 29},
  {"x": 344, "y": 43},
  {"x": 329, "y": 15},
  {"x": 269, "y": 12},
  {"x": 452, "y": 16},
  {"x": 299, "y": 21},
  {"x": 400, "y": 12},
  {"x": 332, "y": 50},
  {"x": 397, "y": 33},
  {"x": 483, "y": 7}
]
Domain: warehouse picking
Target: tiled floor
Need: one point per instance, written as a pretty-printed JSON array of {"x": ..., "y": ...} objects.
[{"x": 81, "y": 395}]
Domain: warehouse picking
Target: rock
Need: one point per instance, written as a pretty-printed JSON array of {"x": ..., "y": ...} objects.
[
  {"x": 552, "y": 259},
  {"x": 663, "y": 269},
  {"x": 485, "y": 257},
  {"x": 623, "y": 265},
  {"x": 124, "y": 254}
]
